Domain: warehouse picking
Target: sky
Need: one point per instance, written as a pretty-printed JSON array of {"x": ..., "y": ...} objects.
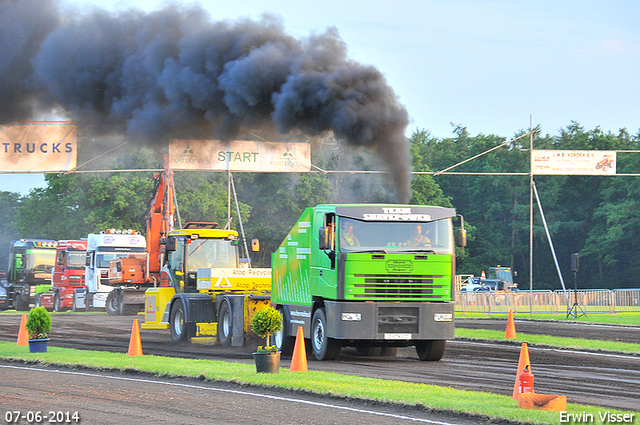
[{"x": 490, "y": 66}]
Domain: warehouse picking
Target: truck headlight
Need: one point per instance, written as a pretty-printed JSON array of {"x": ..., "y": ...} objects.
[
  {"x": 351, "y": 317},
  {"x": 443, "y": 317}
]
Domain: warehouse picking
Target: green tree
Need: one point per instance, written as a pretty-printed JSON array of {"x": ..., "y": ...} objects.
[{"x": 9, "y": 203}]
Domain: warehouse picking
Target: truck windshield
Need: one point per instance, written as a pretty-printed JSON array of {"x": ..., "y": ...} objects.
[
  {"x": 502, "y": 274},
  {"x": 103, "y": 258},
  {"x": 40, "y": 260},
  {"x": 212, "y": 253},
  {"x": 363, "y": 236},
  {"x": 76, "y": 259}
]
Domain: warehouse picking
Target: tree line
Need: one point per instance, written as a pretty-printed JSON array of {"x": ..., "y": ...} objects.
[{"x": 594, "y": 216}]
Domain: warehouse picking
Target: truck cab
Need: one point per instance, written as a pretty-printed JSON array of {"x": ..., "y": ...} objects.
[
  {"x": 68, "y": 274},
  {"x": 31, "y": 262},
  {"x": 206, "y": 287},
  {"x": 500, "y": 279},
  {"x": 374, "y": 277},
  {"x": 101, "y": 249}
]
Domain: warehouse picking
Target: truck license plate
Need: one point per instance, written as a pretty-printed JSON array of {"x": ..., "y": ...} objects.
[{"x": 397, "y": 336}]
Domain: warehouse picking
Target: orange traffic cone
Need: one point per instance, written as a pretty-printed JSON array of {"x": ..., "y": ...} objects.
[
  {"x": 523, "y": 362},
  {"x": 511, "y": 327},
  {"x": 135, "y": 346},
  {"x": 23, "y": 333},
  {"x": 299, "y": 359},
  {"x": 483, "y": 276}
]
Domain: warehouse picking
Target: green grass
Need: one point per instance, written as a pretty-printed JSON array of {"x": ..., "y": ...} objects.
[
  {"x": 553, "y": 341},
  {"x": 615, "y": 319},
  {"x": 482, "y": 405}
]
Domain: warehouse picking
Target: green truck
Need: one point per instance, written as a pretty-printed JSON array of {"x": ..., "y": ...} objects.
[{"x": 373, "y": 277}]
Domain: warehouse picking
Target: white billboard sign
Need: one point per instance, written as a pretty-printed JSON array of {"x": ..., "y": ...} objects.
[
  {"x": 578, "y": 163},
  {"x": 250, "y": 156}
]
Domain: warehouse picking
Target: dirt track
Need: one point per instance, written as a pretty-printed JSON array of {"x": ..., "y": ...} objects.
[{"x": 607, "y": 380}]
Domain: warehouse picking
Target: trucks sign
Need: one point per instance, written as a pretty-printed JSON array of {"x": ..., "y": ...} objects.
[
  {"x": 37, "y": 147},
  {"x": 577, "y": 163}
]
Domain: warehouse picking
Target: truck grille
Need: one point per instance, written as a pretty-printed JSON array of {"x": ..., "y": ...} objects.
[
  {"x": 398, "y": 320},
  {"x": 397, "y": 286}
]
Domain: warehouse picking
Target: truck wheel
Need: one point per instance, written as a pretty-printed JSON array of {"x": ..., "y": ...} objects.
[
  {"x": 20, "y": 304},
  {"x": 56, "y": 303},
  {"x": 283, "y": 342},
  {"x": 224, "y": 324},
  {"x": 389, "y": 351},
  {"x": 112, "y": 307},
  {"x": 324, "y": 348},
  {"x": 431, "y": 350},
  {"x": 177, "y": 323}
]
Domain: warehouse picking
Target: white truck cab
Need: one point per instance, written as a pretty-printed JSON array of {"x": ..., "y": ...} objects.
[{"x": 101, "y": 248}]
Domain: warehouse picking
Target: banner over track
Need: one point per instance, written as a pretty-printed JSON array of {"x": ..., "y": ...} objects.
[
  {"x": 38, "y": 147},
  {"x": 248, "y": 156}
]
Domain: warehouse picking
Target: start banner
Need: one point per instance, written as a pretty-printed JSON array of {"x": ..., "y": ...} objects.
[
  {"x": 38, "y": 147},
  {"x": 578, "y": 163},
  {"x": 249, "y": 156}
]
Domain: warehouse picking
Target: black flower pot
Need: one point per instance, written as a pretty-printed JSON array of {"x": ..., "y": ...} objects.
[
  {"x": 267, "y": 362},
  {"x": 38, "y": 345}
]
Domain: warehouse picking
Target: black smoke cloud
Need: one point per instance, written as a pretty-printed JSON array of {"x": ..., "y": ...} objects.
[{"x": 175, "y": 73}]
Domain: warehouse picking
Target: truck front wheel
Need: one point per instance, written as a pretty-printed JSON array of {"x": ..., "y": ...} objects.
[
  {"x": 283, "y": 342},
  {"x": 431, "y": 350},
  {"x": 324, "y": 348},
  {"x": 177, "y": 323}
]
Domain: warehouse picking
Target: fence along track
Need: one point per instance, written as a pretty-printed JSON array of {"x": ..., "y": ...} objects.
[{"x": 591, "y": 301}]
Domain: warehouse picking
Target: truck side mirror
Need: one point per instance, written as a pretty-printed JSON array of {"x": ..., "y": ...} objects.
[
  {"x": 323, "y": 238},
  {"x": 87, "y": 260},
  {"x": 171, "y": 244},
  {"x": 255, "y": 245},
  {"x": 461, "y": 238}
]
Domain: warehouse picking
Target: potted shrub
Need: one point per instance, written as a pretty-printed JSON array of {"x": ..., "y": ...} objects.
[
  {"x": 266, "y": 322},
  {"x": 38, "y": 326}
]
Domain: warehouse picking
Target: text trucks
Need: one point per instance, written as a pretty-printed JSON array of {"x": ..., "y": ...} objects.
[{"x": 375, "y": 277}]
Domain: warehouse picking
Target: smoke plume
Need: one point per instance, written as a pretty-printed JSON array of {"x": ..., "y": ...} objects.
[{"x": 175, "y": 73}]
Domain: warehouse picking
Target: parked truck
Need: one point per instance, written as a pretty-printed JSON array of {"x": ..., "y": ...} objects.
[
  {"x": 375, "y": 277},
  {"x": 103, "y": 289},
  {"x": 67, "y": 276},
  {"x": 208, "y": 292},
  {"x": 29, "y": 272},
  {"x": 496, "y": 279}
]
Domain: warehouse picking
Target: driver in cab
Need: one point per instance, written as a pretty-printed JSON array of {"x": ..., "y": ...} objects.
[
  {"x": 347, "y": 238},
  {"x": 418, "y": 238}
]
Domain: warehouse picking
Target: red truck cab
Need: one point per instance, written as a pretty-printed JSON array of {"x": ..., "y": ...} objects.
[{"x": 67, "y": 275}]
